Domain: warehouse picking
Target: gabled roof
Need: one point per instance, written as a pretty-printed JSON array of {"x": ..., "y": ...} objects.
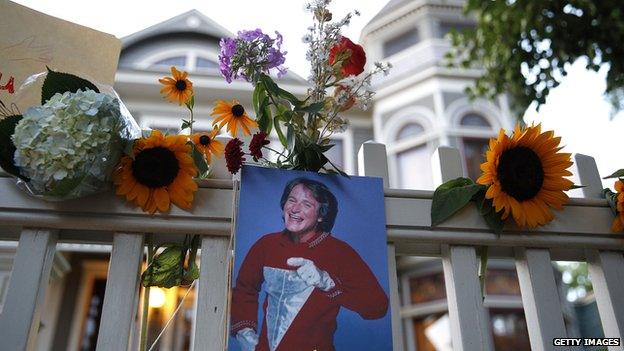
[{"x": 191, "y": 21}]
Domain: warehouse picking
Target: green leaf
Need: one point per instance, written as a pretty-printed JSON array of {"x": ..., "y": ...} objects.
[
  {"x": 611, "y": 199},
  {"x": 166, "y": 270},
  {"x": 312, "y": 108},
  {"x": 617, "y": 174},
  {"x": 64, "y": 187},
  {"x": 58, "y": 82},
  {"x": 265, "y": 122},
  {"x": 186, "y": 124},
  {"x": 278, "y": 129},
  {"x": 200, "y": 161},
  {"x": 290, "y": 138},
  {"x": 275, "y": 90},
  {"x": 451, "y": 197},
  {"x": 7, "y": 148},
  {"x": 129, "y": 147},
  {"x": 486, "y": 208},
  {"x": 190, "y": 103}
]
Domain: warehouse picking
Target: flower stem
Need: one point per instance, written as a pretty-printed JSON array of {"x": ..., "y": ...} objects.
[{"x": 146, "y": 291}]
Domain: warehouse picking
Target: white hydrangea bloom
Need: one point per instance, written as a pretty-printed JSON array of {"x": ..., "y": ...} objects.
[{"x": 73, "y": 137}]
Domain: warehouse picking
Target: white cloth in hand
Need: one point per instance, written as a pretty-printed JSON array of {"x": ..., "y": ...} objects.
[
  {"x": 311, "y": 274},
  {"x": 247, "y": 338}
]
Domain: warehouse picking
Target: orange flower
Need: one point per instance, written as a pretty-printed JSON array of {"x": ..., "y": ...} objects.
[
  {"x": 177, "y": 88},
  {"x": 232, "y": 114},
  {"x": 525, "y": 175},
  {"x": 207, "y": 144},
  {"x": 160, "y": 171},
  {"x": 618, "y": 222}
]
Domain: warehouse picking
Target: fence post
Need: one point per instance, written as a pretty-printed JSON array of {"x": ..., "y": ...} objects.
[
  {"x": 605, "y": 268},
  {"x": 210, "y": 328},
  {"x": 373, "y": 162},
  {"x": 19, "y": 321},
  {"x": 470, "y": 329},
  {"x": 122, "y": 285}
]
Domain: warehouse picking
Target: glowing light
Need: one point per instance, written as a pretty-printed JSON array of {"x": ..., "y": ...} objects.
[{"x": 157, "y": 297}]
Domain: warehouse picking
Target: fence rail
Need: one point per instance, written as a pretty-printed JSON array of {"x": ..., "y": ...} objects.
[{"x": 580, "y": 232}]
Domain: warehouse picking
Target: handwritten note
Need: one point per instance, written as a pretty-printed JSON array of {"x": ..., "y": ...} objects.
[{"x": 31, "y": 40}]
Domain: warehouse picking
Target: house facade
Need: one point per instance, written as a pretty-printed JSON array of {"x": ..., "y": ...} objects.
[{"x": 419, "y": 106}]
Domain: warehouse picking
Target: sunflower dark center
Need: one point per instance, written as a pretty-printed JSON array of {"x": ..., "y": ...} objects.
[
  {"x": 238, "y": 110},
  {"x": 180, "y": 85},
  {"x": 155, "y": 167},
  {"x": 204, "y": 140},
  {"x": 520, "y": 173}
]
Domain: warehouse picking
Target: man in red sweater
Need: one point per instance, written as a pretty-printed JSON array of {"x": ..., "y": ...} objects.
[{"x": 308, "y": 276}]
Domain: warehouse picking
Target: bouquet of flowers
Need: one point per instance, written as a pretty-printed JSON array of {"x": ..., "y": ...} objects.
[
  {"x": 303, "y": 126},
  {"x": 67, "y": 147}
]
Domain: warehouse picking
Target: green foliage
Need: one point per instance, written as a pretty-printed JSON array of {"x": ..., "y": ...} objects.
[
  {"x": 541, "y": 37},
  {"x": 617, "y": 174},
  {"x": 7, "y": 148},
  {"x": 200, "y": 161},
  {"x": 452, "y": 196},
  {"x": 168, "y": 269},
  {"x": 58, "y": 82},
  {"x": 611, "y": 199},
  {"x": 296, "y": 124}
]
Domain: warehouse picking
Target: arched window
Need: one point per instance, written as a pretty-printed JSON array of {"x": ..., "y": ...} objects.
[
  {"x": 178, "y": 61},
  {"x": 413, "y": 167},
  {"x": 205, "y": 63},
  {"x": 410, "y": 130},
  {"x": 473, "y": 149},
  {"x": 474, "y": 120}
]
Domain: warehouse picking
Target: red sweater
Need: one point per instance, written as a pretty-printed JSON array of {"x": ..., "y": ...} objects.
[{"x": 313, "y": 328}]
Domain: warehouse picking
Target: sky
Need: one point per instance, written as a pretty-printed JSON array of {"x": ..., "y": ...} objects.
[{"x": 576, "y": 110}]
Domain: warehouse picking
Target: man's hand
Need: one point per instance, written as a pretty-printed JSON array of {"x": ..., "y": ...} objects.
[
  {"x": 247, "y": 338},
  {"x": 310, "y": 274}
]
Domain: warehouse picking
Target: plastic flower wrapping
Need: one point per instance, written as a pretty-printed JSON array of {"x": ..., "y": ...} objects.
[{"x": 69, "y": 146}]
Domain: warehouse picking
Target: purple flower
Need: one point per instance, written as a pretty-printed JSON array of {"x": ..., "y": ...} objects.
[{"x": 252, "y": 52}]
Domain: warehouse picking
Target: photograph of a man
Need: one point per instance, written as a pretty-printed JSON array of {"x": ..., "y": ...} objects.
[{"x": 304, "y": 274}]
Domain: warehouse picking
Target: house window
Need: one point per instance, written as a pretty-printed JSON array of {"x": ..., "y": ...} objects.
[
  {"x": 204, "y": 63},
  {"x": 410, "y": 130},
  {"x": 445, "y": 28},
  {"x": 509, "y": 330},
  {"x": 413, "y": 168},
  {"x": 178, "y": 61},
  {"x": 400, "y": 42},
  {"x": 474, "y": 120},
  {"x": 473, "y": 149}
]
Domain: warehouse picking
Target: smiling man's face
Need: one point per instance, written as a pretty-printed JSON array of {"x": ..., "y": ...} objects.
[{"x": 301, "y": 211}]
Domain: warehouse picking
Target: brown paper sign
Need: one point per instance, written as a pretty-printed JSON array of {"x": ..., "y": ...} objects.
[{"x": 31, "y": 40}]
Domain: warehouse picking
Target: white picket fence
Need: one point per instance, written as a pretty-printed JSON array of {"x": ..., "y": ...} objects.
[{"x": 580, "y": 232}]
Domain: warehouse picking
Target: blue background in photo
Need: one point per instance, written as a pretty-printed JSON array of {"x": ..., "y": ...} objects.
[{"x": 360, "y": 222}]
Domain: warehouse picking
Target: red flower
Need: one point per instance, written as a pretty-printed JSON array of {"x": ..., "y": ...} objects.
[
  {"x": 234, "y": 155},
  {"x": 256, "y": 144},
  {"x": 349, "y": 55}
]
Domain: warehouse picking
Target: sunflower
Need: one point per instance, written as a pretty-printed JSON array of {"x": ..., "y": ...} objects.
[
  {"x": 160, "y": 171},
  {"x": 232, "y": 114},
  {"x": 525, "y": 174},
  {"x": 177, "y": 88},
  {"x": 207, "y": 144},
  {"x": 618, "y": 223}
]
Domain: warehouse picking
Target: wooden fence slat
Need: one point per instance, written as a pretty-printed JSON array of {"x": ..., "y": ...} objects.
[
  {"x": 606, "y": 271},
  {"x": 540, "y": 298},
  {"x": 19, "y": 321},
  {"x": 119, "y": 307},
  {"x": 470, "y": 329},
  {"x": 373, "y": 162},
  {"x": 211, "y": 322},
  {"x": 395, "y": 305}
]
